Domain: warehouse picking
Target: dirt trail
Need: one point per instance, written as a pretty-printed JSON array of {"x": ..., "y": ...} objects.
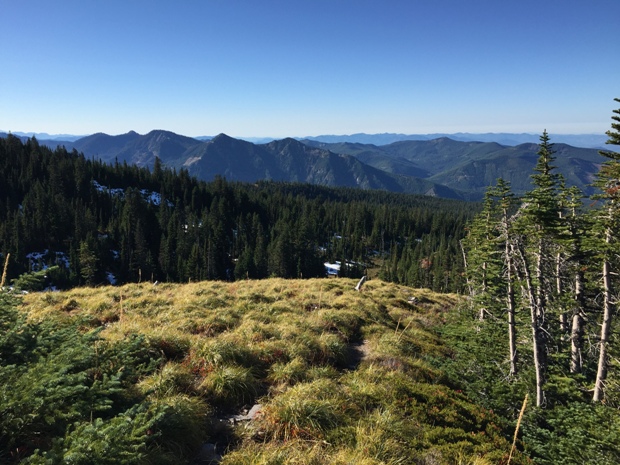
[{"x": 358, "y": 352}]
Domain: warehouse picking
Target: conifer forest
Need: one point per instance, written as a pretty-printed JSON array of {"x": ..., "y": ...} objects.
[{"x": 97, "y": 222}]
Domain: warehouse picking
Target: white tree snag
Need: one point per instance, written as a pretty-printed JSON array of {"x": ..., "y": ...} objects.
[
  {"x": 360, "y": 283},
  {"x": 601, "y": 373}
]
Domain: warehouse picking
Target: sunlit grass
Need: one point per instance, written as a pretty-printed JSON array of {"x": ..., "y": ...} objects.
[{"x": 343, "y": 376}]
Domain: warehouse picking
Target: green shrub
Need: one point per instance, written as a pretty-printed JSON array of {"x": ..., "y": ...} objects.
[
  {"x": 123, "y": 439},
  {"x": 575, "y": 434},
  {"x": 36, "y": 280},
  {"x": 181, "y": 430},
  {"x": 55, "y": 376}
]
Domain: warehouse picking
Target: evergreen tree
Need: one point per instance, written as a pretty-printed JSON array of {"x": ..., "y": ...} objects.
[
  {"x": 490, "y": 262},
  {"x": 576, "y": 226},
  {"x": 607, "y": 227},
  {"x": 53, "y": 199},
  {"x": 483, "y": 256},
  {"x": 538, "y": 227},
  {"x": 89, "y": 263}
]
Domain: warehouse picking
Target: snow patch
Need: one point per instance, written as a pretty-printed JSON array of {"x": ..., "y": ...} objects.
[
  {"x": 39, "y": 260},
  {"x": 149, "y": 196},
  {"x": 332, "y": 269},
  {"x": 152, "y": 197},
  {"x": 62, "y": 259},
  {"x": 111, "y": 278},
  {"x": 112, "y": 192},
  {"x": 35, "y": 260}
]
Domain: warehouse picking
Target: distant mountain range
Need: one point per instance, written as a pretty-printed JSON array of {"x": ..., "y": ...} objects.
[
  {"x": 442, "y": 166},
  {"x": 576, "y": 140},
  {"x": 472, "y": 166},
  {"x": 239, "y": 160},
  {"x": 45, "y": 136}
]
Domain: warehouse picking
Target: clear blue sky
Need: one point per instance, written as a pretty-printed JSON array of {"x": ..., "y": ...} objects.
[{"x": 308, "y": 67}]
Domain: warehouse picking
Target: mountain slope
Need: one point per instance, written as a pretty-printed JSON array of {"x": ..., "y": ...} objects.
[
  {"x": 472, "y": 166},
  {"x": 425, "y": 158},
  {"x": 374, "y": 156},
  {"x": 231, "y": 158},
  {"x": 292, "y": 161},
  {"x": 515, "y": 164},
  {"x": 238, "y": 160},
  {"x": 137, "y": 149},
  {"x": 440, "y": 154},
  {"x": 104, "y": 146}
]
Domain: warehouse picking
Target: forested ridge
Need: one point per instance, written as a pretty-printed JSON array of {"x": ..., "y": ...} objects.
[{"x": 120, "y": 223}]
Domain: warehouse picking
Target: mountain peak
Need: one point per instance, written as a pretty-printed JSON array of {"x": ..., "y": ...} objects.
[
  {"x": 222, "y": 136},
  {"x": 156, "y": 132},
  {"x": 225, "y": 140}
]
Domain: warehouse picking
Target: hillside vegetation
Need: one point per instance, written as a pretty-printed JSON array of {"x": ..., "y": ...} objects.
[{"x": 147, "y": 373}]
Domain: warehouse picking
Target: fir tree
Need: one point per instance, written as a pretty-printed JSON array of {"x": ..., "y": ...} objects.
[
  {"x": 607, "y": 227},
  {"x": 538, "y": 227}
]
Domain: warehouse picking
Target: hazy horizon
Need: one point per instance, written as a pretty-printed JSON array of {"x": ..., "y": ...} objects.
[{"x": 57, "y": 135}]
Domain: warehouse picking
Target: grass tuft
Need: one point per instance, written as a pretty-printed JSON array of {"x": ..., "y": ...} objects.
[{"x": 230, "y": 385}]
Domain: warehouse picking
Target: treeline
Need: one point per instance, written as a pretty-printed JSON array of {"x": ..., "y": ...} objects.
[
  {"x": 547, "y": 267},
  {"x": 95, "y": 223}
]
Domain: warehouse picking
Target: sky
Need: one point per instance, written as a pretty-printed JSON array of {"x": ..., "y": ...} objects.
[{"x": 280, "y": 68}]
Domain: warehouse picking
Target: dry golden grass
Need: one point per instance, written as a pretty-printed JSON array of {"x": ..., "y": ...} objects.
[
  {"x": 256, "y": 312},
  {"x": 337, "y": 370}
]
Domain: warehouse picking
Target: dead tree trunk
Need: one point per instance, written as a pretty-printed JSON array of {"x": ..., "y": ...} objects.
[
  {"x": 467, "y": 280},
  {"x": 558, "y": 292},
  {"x": 360, "y": 283},
  {"x": 483, "y": 290},
  {"x": 541, "y": 297},
  {"x": 510, "y": 309},
  {"x": 534, "y": 296},
  {"x": 608, "y": 308},
  {"x": 576, "y": 336}
]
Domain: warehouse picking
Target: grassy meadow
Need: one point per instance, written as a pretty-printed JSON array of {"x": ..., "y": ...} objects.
[{"x": 343, "y": 377}]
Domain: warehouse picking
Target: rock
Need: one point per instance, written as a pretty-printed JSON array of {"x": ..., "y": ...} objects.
[{"x": 254, "y": 411}]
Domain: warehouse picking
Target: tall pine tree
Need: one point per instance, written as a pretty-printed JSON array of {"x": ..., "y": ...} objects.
[{"x": 539, "y": 225}]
